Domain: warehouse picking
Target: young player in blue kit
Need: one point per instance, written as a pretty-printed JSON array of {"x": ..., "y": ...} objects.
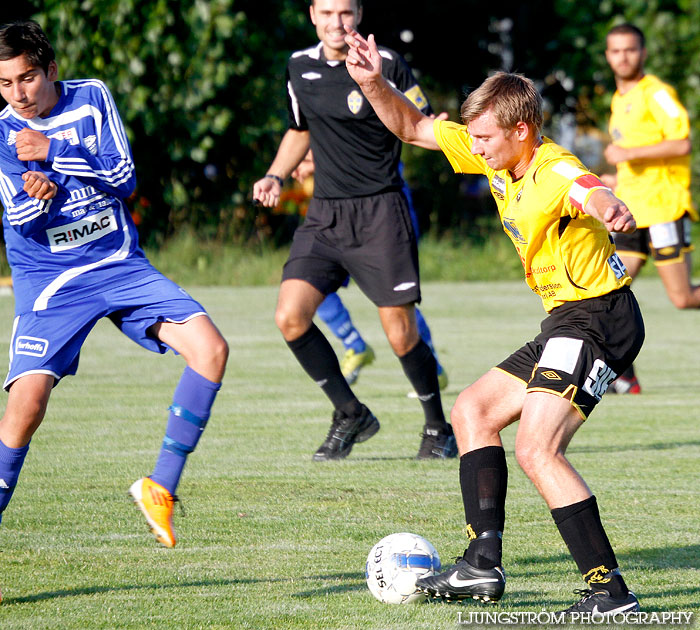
[{"x": 65, "y": 170}]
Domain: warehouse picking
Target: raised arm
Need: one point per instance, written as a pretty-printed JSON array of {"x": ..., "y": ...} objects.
[{"x": 399, "y": 115}]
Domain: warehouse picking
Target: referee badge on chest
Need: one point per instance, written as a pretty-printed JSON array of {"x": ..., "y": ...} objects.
[{"x": 354, "y": 101}]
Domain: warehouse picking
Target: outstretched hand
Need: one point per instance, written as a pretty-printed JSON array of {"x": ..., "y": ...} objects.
[
  {"x": 364, "y": 63},
  {"x": 618, "y": 218}
]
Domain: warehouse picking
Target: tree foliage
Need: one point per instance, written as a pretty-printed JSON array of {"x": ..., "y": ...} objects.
[
  {"x": 200, "y": 84},
  {"x": 200, "y": 88},
  {"x": 672, "y": 31}
]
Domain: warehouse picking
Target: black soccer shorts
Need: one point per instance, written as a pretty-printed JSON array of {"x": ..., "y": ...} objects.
[
  {"x": 582, "y": 347},
  {"x": 371, "y": 239},
  {"x": 666, "y": 243}
]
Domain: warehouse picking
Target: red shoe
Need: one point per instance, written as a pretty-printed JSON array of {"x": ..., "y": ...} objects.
[{"x": 622, "y": 385}]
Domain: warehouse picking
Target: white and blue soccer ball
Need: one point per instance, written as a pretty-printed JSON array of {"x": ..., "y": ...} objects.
[{"x": 395, "y": 563}]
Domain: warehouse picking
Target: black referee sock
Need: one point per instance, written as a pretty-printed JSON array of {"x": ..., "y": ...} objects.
[
  {"x": 629, "y": 373},
  {"x": 483, "y": 476},
  {"x": 582, "y": 530},
  {"x": 420, "y": 367},
  {"x": 318, "y": 359}
]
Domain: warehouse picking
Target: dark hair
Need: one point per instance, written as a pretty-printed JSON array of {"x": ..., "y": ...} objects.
[
  {"x": 358, "y": 3},
  {"x": 628, "y": 29},
  {"x": 26, "y": 38}
]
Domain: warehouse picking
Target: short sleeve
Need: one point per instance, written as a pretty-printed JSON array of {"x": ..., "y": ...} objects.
[
  {"x": 669, "y": 113},
  {"x": 297, "y": 120},
  {"x": 455, "y": 142}
]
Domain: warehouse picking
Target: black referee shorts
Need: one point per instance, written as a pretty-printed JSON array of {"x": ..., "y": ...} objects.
[
  {"x": 582, "y": 348},
  {"x": 369, "y": 238}
]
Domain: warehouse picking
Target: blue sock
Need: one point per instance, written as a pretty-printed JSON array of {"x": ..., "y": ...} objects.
[
  {"x": 334, "y": 314},
  {"x": 11, "y": 461},
  {"x": 192, "y": 401},
  {"x": 425, "y": 335}
]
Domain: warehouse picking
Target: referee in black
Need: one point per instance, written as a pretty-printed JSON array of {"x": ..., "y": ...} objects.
[{"x": 357, "y": 224}]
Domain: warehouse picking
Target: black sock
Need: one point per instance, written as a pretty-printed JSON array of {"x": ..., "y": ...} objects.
[
  {"x": 582, "y": 530},
  {"x": 483, "y": 476},
  {"x": 629, "y": 373},
  {"x": 318, "y": 359},
  {"x": 420, "y": 367}
]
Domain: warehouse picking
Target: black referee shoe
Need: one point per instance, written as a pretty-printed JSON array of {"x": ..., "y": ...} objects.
[
  {"x": 600, "y": 602},
  {"x": 437, "y": 443},
  {"x": 344, "y": 432},
  {"x": 463, "y": 581}
]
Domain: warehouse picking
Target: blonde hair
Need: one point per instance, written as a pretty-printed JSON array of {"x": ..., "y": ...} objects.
[{"x": 511, "y": 97}]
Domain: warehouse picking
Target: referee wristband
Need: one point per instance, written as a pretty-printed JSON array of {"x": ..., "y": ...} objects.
[{"x": 279, "y": 180}]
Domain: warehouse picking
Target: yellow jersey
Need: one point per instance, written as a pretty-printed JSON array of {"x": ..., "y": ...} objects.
[
  {"x": 655, "y": 191},
  {"x": 567, "y": 255}
]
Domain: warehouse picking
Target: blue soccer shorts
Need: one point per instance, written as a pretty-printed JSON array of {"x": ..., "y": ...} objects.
[{"x": 49, "y": 341}]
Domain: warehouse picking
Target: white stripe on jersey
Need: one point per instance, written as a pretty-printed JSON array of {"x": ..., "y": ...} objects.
[
  {"x": 314, "y": 52},
  {"x": 568, "y": 170},
  {"x": 17, "y": 215},
  {"x": 663, "y": 98},
  {"x": 295, "y": 103},
  {"x": 42, "y": 301},
  {"x": 79, "y": 166},
  {"x": 66, "y": 118}
]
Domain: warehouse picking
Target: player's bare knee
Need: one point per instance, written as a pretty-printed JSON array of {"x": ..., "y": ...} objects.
[
  {"x": 531, "y": 457},
  {"x": 469, "y": 416},
  {"x": 285, "y": 321},
  {"x": 218, "y": 352},
  {"x": 683, "y": 301},
  {"x": 402, "y": 339}
]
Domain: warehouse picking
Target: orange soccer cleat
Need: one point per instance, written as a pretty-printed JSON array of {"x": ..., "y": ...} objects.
[{"x": 156, "y": 503}]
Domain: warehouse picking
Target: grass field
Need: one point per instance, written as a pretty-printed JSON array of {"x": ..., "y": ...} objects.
[{"x": 273, "y": 540}]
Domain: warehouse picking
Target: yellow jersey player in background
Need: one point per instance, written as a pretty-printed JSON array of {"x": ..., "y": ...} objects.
[
  {"x": 651, "y": 150},
  {"x": 558, "y": 216}
]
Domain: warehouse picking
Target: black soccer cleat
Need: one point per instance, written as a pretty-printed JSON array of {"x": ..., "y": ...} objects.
[
  {"x": 600, "y": 602},
  {"x": 437, "y": 444},
  {"x": 463, "y": 581},
  {"x": 344, "y": 432}
]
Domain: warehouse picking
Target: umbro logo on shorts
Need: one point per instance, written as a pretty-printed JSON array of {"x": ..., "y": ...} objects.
[{"x": 404, "y": 286}]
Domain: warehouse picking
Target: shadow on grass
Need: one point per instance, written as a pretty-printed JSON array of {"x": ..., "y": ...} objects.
[
  {"x": 649, "y": 560},
  {"x": 654, "y": 600},
  {"x": 350, "y": 582},
  {"x": 623, "y": 448}
]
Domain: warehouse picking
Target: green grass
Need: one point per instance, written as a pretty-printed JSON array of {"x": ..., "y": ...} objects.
[{"x": 273, "y": 540}]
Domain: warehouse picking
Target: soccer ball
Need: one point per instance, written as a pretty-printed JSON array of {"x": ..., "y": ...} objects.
[{"x": 395, "y": 563}]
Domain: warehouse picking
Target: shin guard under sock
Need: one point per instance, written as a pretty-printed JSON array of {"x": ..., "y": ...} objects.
[
  {"x": 11, "y": 461},
  {"x": 582, "y": 530},
  {"x": 318, "y": 359},
  {"x": 189, "y": 413},
  {"x": 483, "y": 475},
  {"x": 420, "y": 367}
]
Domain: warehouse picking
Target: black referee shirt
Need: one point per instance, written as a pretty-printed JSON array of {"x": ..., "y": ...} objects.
[{"x": 355, "y": 155}]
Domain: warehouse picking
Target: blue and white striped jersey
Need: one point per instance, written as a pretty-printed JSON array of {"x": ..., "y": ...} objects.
[{"x": 72, "y": 245}]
